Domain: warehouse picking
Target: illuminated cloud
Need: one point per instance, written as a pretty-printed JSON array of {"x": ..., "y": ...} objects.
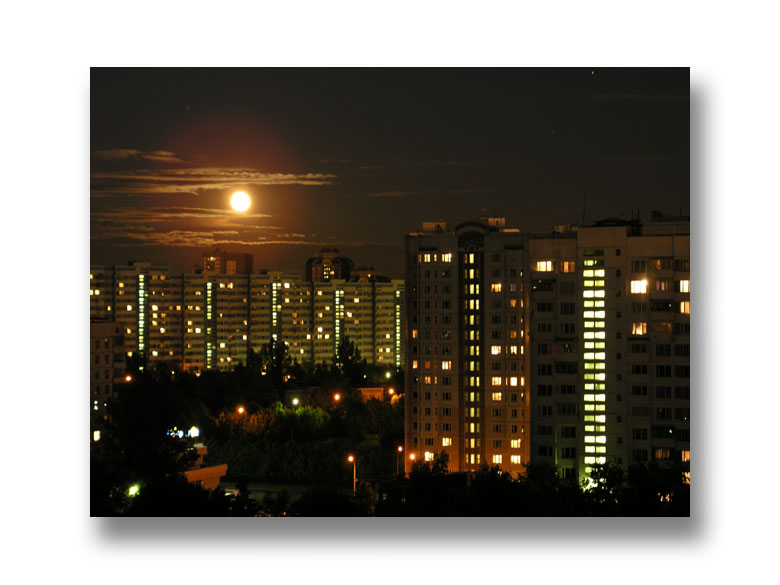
[
  {"x": 195, "y": 180},
  {"x": 117, "y": 154}
]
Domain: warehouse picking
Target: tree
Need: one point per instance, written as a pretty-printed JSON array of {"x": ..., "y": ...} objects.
[
  {"x": 604, "y": 490},
  {"x": 350, "y": 363},
  {"x": 275, "y": 361}
]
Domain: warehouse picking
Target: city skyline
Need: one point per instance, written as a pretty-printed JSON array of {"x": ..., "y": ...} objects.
[{"x": 331, "y": 156}]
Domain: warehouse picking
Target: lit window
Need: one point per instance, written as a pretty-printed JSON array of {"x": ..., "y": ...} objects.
[
  {"x": 496, "y": 395},
  {"x": 544, "y": 266},
  {"x": 446, "y": 257},
  {"x": 685, "y": 456},
  {"x": 639, "y": 287},
  {"x": 496, "y": 380},
  {"x": 639, "y": 329},
  {"x": 414, "y": 364},
  {"x": 414, "y": 332},
  {"x": 567, "y": 266},
  {"x": 497, "y": 459},
  {"x": 428, "y": 456},
  {"x": 515, "y": 459},
  {"x": 495, "y": 349},
  {"x": 495, "y": 287},
  {"x": 446, "y": 365},
  {"x": 513, "y": 349},
  {"x": 513, "y": 381},
  {"x": 685, "y": 307},
  {"x": 129, "y": 307},
  {"x": 446, "y": 442},
  {"x": 685, "y": 286}
]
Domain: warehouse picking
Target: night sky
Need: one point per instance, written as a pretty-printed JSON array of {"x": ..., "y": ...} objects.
[{"x": 357, "y": 158}]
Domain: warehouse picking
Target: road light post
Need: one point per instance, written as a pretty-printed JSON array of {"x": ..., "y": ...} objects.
[
  {"x": 352, "y": 460},
  {"x": 397, "y": 457}
]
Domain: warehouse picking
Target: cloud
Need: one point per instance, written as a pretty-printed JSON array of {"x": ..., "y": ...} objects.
[
  {"x": 117, "y": 154},
  {"x": 205, "y": 239},
  {"x": 159, "y": 214},
  {"x": 195, "y": 180},
  {"x": 394, "y": 194}
]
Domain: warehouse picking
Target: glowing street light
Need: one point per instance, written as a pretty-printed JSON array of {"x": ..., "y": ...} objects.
[
  {"x": 388, "y": 375},
  {"x": 128, "y": 378},
  {"x": 296, "y": 402},
  {"x": 351, "y": 459},
  {"x": 133, "y": 490},
  {"x": 397, "y": 456},
  {"x": 391, "y": 391},
  {"x": 240, "y": 410},
  {"x": 411, "y": 457},
  {"x": 337, "y": 397}
]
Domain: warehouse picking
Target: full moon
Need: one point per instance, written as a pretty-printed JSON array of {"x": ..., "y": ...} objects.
[{"x": 240, "y": 201}]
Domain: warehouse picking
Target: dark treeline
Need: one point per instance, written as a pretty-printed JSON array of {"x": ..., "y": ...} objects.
[
  {"x": 269, "y": 441},
  {"x": 643, "y": 490},
  {"x": 244, "y": 422}
]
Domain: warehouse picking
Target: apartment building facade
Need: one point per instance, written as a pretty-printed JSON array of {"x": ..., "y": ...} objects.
[
  {"x": 210, "y": 321},
  {"x": 466, "y": 361},
  {"x": 571, "y": 347},
  {"x": 608, "y": 316}
]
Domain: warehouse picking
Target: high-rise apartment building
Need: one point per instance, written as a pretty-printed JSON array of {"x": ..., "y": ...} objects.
[
  {"x": 466, "y": 364},
  {"x": 210, "y": 321},
  {"x": 229, "y": 263},
  {"x": 608, "y": 313},
  {"x": 327, "y": 265},
  {"x": 106, "y": 367},
  {"x": 571, "y": 348}
]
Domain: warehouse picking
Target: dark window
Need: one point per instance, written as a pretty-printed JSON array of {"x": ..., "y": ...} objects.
[
  {"x": 567, "y": 409},
  {"x": 568, "y": 432},
  {"x": 682, "y": 371},
  {"x": 544, "y": 369},
  {"x": 565, "y": 367},
  {"x": 544, "y": 389},
  {"x": 682, "y": 392}
]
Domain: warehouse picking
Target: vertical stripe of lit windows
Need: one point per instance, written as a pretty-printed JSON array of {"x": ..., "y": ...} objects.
[
  {"x": 141, "y": 313},
  {"x": 398, "y": 328},
  {"x": 209, "y": 305},
  {"x": 594, "y": 362}
]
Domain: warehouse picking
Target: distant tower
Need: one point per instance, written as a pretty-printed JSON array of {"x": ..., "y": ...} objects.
[
  {"x": 327, "y": 265},
  {"x": 228, "y": 263}
]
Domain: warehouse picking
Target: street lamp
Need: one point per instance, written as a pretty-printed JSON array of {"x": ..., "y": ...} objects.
[
  {"x": 241, "y": 410},
  {"x": 337, "y": 397},
  {"x": 296, "y": 402},
  {"x": 351, "y": 459},
  {"x": 397, "y": 455}
]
